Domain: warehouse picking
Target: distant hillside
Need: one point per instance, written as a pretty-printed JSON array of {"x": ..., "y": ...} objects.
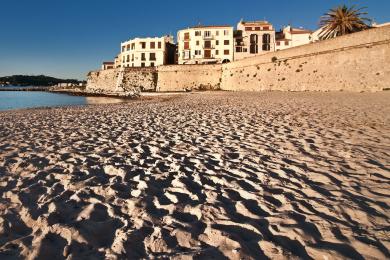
[{"x": 40, "y": 80}]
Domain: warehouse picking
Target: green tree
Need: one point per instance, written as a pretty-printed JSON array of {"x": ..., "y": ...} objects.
[{"x": 343, "y": 20}]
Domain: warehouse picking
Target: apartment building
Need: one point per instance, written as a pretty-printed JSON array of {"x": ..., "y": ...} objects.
[
  {"x": 146, "y": 52},
  {"x": 205, "y": 45},
  {"x": 253, "y": 38},
  {"x": 108, "y": 65},
  {"x": 291, "y": 37}
]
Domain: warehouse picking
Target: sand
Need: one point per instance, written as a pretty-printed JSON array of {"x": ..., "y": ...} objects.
[{"x": 207, "y": 175}]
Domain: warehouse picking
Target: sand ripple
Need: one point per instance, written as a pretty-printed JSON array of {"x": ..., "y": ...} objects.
[{"x": 223, "y": 175}]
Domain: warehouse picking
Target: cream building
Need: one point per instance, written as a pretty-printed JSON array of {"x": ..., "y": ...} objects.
[
  {"x": 146, "y": 52},
  {"x": 291, "y": 37},
  {"x": 108, "y": 65},
  {"x": 205, "y": 44},
  {"x": 253, "y": 38}
]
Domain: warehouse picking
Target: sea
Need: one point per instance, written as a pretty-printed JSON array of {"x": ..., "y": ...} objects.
[{"x": 10, "y": 100}]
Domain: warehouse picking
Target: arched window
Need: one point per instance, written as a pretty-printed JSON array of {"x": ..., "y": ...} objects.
[
  {"x": 254, "y": 40},
  {"x": 266, "y": 42}
]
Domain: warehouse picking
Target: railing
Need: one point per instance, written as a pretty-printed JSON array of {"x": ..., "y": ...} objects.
[
  {"x": 208, "y": 37},
  {"x": 208, "y": 47},
  {"x": 210, "y": 57}
]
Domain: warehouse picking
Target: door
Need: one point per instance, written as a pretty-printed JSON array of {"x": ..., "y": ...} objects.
[{"x": 207, "y": 54}]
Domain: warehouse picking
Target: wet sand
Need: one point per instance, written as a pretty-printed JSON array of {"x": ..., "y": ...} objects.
[{"x": 208, "y": 175}]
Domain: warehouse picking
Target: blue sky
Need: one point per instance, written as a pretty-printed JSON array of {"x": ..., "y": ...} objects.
[{"x": 68, "y": 38}]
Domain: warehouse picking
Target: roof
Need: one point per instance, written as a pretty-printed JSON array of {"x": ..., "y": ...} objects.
[
  {"x": 299, "y": 31},
  {"x": 108, "y": 62},
  {"x": 210, "y": 26},
  {"x": 255, "y": 23}
]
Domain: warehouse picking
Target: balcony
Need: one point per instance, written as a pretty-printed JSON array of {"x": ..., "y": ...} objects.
[
  {"x": 208, "y": 37},
  {"x": 208, "y": 57},
  {"x": 208, "y": 47}
]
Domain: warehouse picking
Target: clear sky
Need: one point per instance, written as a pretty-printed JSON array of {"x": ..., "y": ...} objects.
[{"x": 68, "y": 38}]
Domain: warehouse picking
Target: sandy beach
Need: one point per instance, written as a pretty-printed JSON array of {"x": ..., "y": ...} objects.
[{"x": 276, "y": 175}]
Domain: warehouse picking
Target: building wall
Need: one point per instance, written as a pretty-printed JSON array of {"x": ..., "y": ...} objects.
[
  {"x": 196, "y": 43},
  {"x": 132, "y": 52},
  {"x": 243, "y": 42},
  {"x": 189, "y": 77},
  {"x": 355, "y": 62}
]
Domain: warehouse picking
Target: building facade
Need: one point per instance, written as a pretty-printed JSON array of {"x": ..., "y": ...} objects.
[
  {"x": 108, "y": 65},
  {"x": 253, "y": 38},
  {"x": 146, "y": 52},
  {"x": 205, "y": 45},
  {"x": 291, "y": 37}
]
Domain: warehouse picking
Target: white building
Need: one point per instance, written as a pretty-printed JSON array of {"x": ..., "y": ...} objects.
[
  {"x": 291, "y": 37},
  {"x": 146, "y": 52},
  {"x": 108, "y": 65},
  {"x": 253, "y": 38},
  {"x": 205, "y": 44}
]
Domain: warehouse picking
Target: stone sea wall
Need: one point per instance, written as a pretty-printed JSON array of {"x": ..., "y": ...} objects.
[
  {"x": 122, "y": 81},
  {"x": 189, "y": 77},
  {"x": 355, "y": 62}
]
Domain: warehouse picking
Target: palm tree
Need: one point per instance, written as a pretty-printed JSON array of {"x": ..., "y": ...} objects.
[{"x": 343, "y": 20}]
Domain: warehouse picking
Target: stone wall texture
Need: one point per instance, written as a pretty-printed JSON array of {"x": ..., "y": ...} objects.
[
  {"x": 117, "y": 81},
  {"x": 355, "y": 62},
  {"x": 189, "y": 77}
]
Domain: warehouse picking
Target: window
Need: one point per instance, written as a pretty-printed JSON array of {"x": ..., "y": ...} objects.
[
  {"x": 159, "y": 45},
  {"x": 257, "y": 28},
  {"x": 186, "y": 54},
  {"x": 143, "y": 64},
  {"x": 207, "y": 44},
  {"x": 132, "y": 57},
  {"x": 198, "y": 52},
  {"x": 123, "y": 48},
  {"x": 198, "y": 33},
  {"x": 216, "y": 42},
  {"x": 152, "y": 64},
  {"x": 143, "y": 56},
  {"x": 186, "y": 45},
  {"x": 226, "y": 42},
  {"x": 226, "y": 52},
  {"x": 186, "y": 36},
  {"x": 127, "y": 58},
  {"x": 266, "y": 42},
  {"x": 152, "y": 56},
  {"x": 143, "y": 45},
  {"x": 248, "y": 28},
  {"x": 207, "y": 34},
  {"x": 133, "y": 46},
  {"x": 266, "y": 28},
  {"x": 128, "y": 47},
  {"x": 197, "y": 43},
  {"x": 277, "y": 43},
  {"x": 132, "y": 64},
  {"x": 226, "y": 32},
  {"x": 254, "y": 39},
  {"x": 217, "y": 33},
  {"x": 216, "y": 52},
  {"x": 152, "y": 45},
  {"x": 238, "y": 49},
  {"x": 286, "y": 43}
]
